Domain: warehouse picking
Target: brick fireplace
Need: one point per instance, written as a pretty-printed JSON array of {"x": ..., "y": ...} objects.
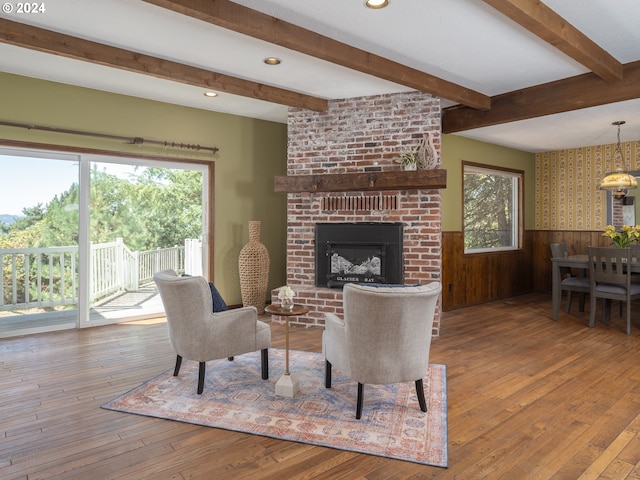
[{"x": 365, "y": 134}]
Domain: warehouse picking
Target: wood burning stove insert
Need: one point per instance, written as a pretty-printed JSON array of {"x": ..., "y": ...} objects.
[{"x": 358, "y": 252}]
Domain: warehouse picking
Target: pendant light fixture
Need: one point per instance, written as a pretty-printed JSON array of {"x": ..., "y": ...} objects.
[{"x": 618, "y": 182}]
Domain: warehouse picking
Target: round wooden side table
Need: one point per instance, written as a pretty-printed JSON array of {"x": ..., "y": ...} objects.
[{"x": 287, "y": 385}]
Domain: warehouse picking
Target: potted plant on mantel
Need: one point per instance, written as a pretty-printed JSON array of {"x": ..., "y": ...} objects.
[{"x": 411, "y": 160}]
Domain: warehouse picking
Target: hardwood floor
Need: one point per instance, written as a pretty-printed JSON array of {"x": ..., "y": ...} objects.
[{"x": 529, "y": 398}]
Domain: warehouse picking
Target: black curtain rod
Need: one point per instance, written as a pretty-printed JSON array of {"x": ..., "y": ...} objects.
[{"x": 129, "y": 140}]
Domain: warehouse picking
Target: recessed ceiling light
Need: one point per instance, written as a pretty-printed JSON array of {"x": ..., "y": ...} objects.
[
  {"x": 210, "y": 94},
  {"x": 272, "y": 61},
  {"x": 376, "y": 3}
]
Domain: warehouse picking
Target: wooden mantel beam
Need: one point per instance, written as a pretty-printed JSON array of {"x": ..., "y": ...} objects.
[
  {"x": 232, "y": 16},
  {"x": 362, "y": 181},
  {"x": 565, "y": 95},
  {"x": 25, "y": 36},
  {"x": 540, "y": 20}
]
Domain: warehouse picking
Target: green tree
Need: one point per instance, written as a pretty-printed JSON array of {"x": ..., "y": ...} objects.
[
  {"x": 172, "y": 200},
  {"x": 31, "y": 216},
  {"x": 112, "y": 208},
  {"x": 61, "y": 219},
  {"x": 488, "y": 205}
]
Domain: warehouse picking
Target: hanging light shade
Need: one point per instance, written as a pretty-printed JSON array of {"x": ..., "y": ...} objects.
[{"x": 619, "y": 182}]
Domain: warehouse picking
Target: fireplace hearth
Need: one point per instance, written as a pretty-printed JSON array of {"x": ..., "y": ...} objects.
[{"x": 358, "y": 252}]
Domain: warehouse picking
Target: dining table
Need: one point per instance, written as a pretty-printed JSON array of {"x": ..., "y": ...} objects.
[{"x": 578, "y": 262}]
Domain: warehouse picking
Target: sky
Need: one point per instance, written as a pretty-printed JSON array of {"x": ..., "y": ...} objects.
[{"x": 27, "y": 181}]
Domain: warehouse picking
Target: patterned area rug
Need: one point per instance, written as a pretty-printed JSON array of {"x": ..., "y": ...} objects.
[{"x": 236, "y": 398}]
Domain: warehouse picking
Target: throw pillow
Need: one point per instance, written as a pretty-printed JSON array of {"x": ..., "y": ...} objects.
[{"x": 218, "y": 303}]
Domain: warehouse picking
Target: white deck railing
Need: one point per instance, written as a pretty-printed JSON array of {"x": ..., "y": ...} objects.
[
  {"x": 48, "y": 277},
  {"x": 38, "y": 277}
]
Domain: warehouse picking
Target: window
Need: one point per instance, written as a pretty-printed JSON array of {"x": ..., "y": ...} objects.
[{"x": 492, "y": 199}]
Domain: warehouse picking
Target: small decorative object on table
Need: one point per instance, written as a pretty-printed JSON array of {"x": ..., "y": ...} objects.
[
  {"x": 624, "y": 237},
  {"x": 285, "y": 295}
]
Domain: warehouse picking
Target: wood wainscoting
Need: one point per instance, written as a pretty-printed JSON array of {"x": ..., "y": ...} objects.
[{"x": 480, "y": 278}]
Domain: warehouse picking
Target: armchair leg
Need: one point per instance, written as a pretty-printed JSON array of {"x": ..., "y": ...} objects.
[
  {"x": 201, "y": 370},
  {"x": 178, "y": 363},
  {"x": 420, "y": 392},
  {"x": 359, "y": 401},
  {"x": 264, "y": 358},
  {"x": 327, "y": 374}
]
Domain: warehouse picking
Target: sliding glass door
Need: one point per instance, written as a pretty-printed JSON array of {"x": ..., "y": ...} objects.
[
  {"x": 81, "y": 237},
  {"x": 143, "y": 218},
  {"x": 39, "y": 239}
]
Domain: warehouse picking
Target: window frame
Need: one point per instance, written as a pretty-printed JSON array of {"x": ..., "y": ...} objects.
[{"x": 518, "y": 208}]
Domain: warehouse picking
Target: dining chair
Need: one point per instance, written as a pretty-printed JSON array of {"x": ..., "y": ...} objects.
[
  {"x": 569, "y": 282},
  {"x": 635, "y": 257},
  {"x": 611, "y": 280}
]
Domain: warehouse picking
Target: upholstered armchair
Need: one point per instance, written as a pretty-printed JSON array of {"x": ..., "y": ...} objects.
[
  {"x": 197, "y": 333},
  {"x": 385, "y": 336}
]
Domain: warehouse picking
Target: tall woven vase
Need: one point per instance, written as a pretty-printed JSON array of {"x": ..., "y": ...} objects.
[{"x": 254, "y": 270}]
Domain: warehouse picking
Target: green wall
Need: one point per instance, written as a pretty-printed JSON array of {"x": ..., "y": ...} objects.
[
  {"x": 251, "y": 153},
  {"x": 456, "y": 149}
]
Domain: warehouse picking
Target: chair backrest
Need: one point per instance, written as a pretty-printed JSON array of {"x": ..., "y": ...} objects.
[
  {"x": 609, "y": 265},
  {"x": 560, "y": 250},
  {"x": 635, "y": 252},
  {"x": 187, "y": 302},
  {"x": 388, "y": 331}
]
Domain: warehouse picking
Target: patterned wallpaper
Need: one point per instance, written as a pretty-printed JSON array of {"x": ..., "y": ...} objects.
[{"x": 567, "y": 195}]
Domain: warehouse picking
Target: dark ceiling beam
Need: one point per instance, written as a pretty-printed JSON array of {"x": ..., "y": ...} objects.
[
  {"x": 565, "y": 95},
  {"x": 42, "y": 40},
  {"x": 540, "y": 20},
  {"x": 238, "y": 18}
]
